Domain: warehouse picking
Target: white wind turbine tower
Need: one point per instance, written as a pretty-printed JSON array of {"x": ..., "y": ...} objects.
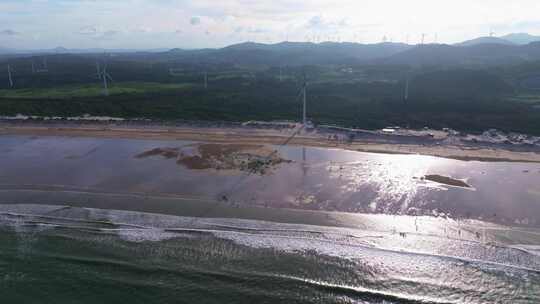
[
  {"x": 98, "y": 70},
  {"x": 406, "y": 93},
  {"x": 106, "y": 76},
  {"x": 102, "y": 74},
  {"x": 41, "y": 68},
  {"x": 45, "y": 68},
  {"x": 9, "y": 76}
]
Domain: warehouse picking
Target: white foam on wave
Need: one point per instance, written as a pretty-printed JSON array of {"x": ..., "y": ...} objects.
[
  {"x": 146, "y": 235},
  {"x": 531, "y": 249},
  {"x": 332, "y": 241},
  {"x": 374, "y": 255}
]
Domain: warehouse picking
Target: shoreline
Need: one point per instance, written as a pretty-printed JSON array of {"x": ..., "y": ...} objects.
[
  {"x": 240, "y": 135},
  {"x": 175, "y": 205}
]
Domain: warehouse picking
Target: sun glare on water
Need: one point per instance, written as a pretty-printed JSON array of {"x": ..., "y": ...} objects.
[{"x": 395, "y": 178}]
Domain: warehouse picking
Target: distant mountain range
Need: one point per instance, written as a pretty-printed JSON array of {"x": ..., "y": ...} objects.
[
  {"x": 5, "y": 50},
  {"x": 63, "y": 50},
  {"x": 346, "y": 48},
  {"x": 285, "y": 53},
  {"x": 485, "y": 40},
  {"x": 508, "y": 49},
  {"x": 510, "y": 39},
  {"x": 475, "y": 54},
  {"x": 300, "y": 53},
  {"x": 521, "y": 38}
]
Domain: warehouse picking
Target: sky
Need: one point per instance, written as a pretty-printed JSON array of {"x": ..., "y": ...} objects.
[{"x": 152, "y": 24}]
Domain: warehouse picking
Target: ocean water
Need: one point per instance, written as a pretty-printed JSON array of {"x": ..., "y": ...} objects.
[
  {"x": 58, "y": 254},
  {"x": 332, "y": 226}
]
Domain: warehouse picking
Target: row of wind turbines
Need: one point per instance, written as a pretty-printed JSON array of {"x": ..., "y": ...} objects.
[
  {"x": 337, "y": 39},
  {"x": 101, "y": 73},
  {"x": 41, "y": 69}
]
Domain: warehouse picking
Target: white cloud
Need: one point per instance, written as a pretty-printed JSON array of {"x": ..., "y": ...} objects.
[
  {"x": 84, "y": 23},
  {"x": 88, "y": 30},
  {"x": 97, "y": 33},
  {"x": 322, "y": 24}
]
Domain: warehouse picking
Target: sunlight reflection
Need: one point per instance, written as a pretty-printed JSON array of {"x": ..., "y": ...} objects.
[{"x": 395, "y": 178}]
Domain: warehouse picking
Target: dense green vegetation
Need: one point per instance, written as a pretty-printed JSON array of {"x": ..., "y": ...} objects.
[
  {"x": 91, "y": 90},
  {"x": 360, "y": 95}
]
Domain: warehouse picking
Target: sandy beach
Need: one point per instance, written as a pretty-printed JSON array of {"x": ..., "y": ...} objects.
[{"x": 250, "y": 136}]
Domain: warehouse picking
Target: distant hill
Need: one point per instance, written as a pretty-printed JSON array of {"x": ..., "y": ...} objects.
[
  {"x": 479, "y": 54},
  {"x": 5, "y": 50},
  {"x": 485, "y": 40},
  {"x": 521, "y": 38},
  {"x": 291, "y": 53},
  {"x": 63, "y": 50},
  {"x": 60, "y": 50},
  {"x": 510, "y": 39},
  {"x": 481, "y": 51}
]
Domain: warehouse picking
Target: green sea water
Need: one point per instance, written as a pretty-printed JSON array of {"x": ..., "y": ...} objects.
[{"x": 74, "y": 255}]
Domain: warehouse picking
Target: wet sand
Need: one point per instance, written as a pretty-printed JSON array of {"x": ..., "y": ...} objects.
[
  {"x": 257, "y": 137},
  {"x": 310, "y": 179}
]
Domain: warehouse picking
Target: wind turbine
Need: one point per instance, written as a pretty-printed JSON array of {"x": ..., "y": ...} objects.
[
  {"x": 9, "y": 76},
  {"x": 105, "y": 76},
  {"x": 98, "y": 70},
  {"x": 406, "y": 93},
  {"x": 43, "y": 68}
]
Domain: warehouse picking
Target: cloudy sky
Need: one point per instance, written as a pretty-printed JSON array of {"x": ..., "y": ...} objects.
[{"x": 31, "y": 24}]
